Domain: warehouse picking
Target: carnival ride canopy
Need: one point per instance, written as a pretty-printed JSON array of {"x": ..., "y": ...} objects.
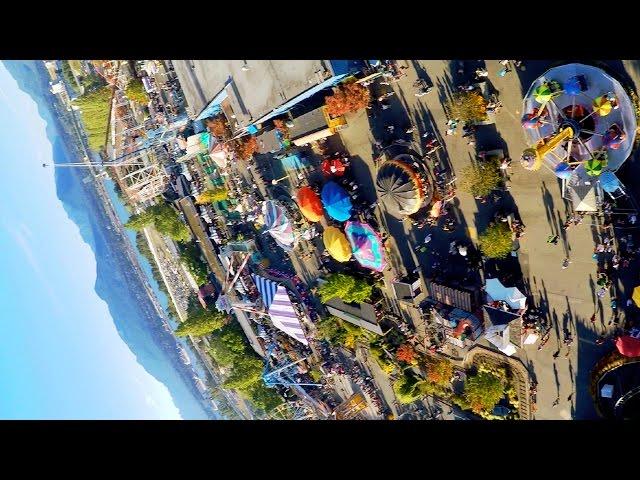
[
  {"x": 592, "y": 103},
  {"x": 583, "y": 198},
  {"x": 366, "y": 245},
  {"x": 278, "y": 225},
  {"x": 628, "y": 346},
  {"x": 284, "y": 316},
  {"x": 400, "y": 188},
  {"x": 337, "y": 244},
  {"x": 281, "y": 311},
  {"x": 310, "y": 204},
  {"x": 336, "y": 201}
]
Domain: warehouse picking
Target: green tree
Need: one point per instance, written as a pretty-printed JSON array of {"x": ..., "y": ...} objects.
[
  {"x": 496, "y": 241},
  {"x": 339, "y": 332},
  {"x": 262, "y": 397},
  {"x": 201, "y": 322},
  {"x": 164, "y": 218},
  {"x": 94, "y": 112},
  {"x": 484, "y": 391},
  {"x": 482, "y": 178},
  {"x": 330, "y": 329},
  {"x": 68, "y": 76},
  {"x": 405, "y": 388},
  {"x": 246, "y": 371},
  {"x": 210, "y": 196},
  {"x": 228, "y": 345},
  {"x": 135, "y": 92},
  {"x": 346, "y": 287},
  {"x": 467, "y": 106},
  {"x": 191, "y": 257}
]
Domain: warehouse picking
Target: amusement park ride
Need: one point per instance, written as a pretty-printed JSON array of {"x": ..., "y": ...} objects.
[
  {"x": 139, "y": 171},
  {"x": 566, "y": 122},
  {"x": 279, "y": 369}
]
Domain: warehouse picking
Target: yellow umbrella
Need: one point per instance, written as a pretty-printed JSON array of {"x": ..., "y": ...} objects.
[
  {"x": 602, "y": 105},
  {"x": 636, "y": 296},
  {"x": 337, "y": 244}
]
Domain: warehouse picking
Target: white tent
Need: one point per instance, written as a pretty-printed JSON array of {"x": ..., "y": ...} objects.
[
  {"x": 515, "y": 298},
  {"x": 498, "y": 292},
  {"x": 498, "y": 335},
  {"x": 583, "y": 198}
]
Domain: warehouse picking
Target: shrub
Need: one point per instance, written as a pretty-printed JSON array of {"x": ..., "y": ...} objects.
[{"x": 405, "y": 388}]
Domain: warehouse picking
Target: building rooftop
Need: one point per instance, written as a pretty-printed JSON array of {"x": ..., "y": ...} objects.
[
  {"x": 456, "y": 297},
  {"x": 253, "y": 92},
  {"x": 362, "y": 314}
]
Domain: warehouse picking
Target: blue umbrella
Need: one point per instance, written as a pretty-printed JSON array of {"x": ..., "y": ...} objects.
[
  {"x": 336, "y": 201},
  {"x": 563, "y": 171},
  {"x": 609, "y": 182}
]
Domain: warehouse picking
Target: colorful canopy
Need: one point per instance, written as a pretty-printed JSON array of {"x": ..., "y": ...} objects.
[
  {"x": 310, "y": 204},
  {"x": 333, "y": 167},
  {"x": 400, "y": 188},
  {"x": 543, "y": 93},
  {"x": 337, "y": 244},
  {"x": 531, "y": 120},
  {"x": 366, "y": 245},
  {"x": 614, "y": 137},
  {"x": 284, "y": 316},
  {"x": 278, "y": 225},
  {"x": 636, "y": 296},
  {"x": 575, "y": 85},
  {"x": 336, "y": 201},
  {"x": 266, "y": 287},
  {"x": 573, "y": 99},
  {"x": 593, "y": 167},
  {"x": 563, "y": 170},
  {"x": 602, "y": 105},
  {"x": 609, "y": 182},
  {"x": 628, "y": 346}
]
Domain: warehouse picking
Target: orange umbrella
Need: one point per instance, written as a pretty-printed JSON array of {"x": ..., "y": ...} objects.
[{"x": 310, "y": 204}]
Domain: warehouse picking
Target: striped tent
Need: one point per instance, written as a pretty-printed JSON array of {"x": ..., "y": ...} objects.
[
  {"x": 266, "y": 287},
  {"x": 278, "y": 225},
  {"x": 284, "y": 316}
]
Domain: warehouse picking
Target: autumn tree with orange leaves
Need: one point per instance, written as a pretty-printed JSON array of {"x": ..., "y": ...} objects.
[
  {"x": 439, "y": 371},
  {"x": 406, "y": 353},
  {"x": 219, "y": 128},
  {"x": 244, "y": 147},
  {"x": 346, "y": 98}
]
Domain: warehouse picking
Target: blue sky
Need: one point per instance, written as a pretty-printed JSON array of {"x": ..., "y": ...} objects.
[{"x": 60, "y": 353}]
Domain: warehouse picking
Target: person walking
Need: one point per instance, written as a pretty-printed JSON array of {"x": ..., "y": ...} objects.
[
  {"x": 556, "y": 402},
  {"x": 553, "y": 239},
  {"x": 565, "y": 263}
]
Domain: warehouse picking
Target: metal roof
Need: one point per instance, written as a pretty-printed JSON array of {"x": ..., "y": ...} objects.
[{"x": 362, "y": 314}]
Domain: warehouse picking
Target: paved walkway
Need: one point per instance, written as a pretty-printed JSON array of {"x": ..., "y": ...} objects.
[{"x": 567, "y": 295}]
